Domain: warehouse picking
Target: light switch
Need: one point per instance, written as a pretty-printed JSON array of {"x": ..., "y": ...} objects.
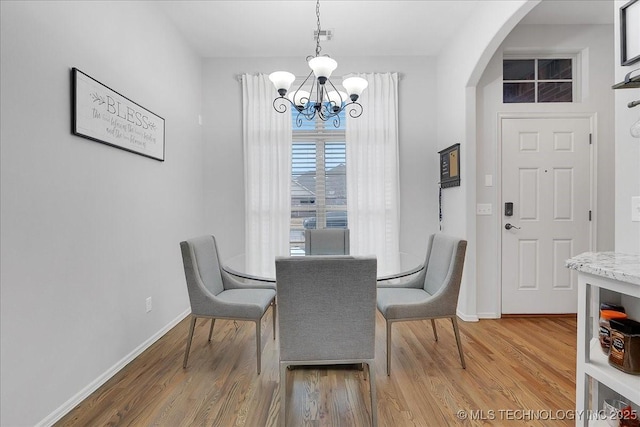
[
  {"x": 488, "y": 180},
  {"x": 483, "y": 209},
  {"x": 635, "y": 208}
]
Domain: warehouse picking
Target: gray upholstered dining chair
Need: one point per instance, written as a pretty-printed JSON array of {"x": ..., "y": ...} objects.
[
  {"x": 326, "y": 241},
  {"x": 431, "y": 294},
  {"x": 326, "y": 309},
  {"x": 215, "y": 294}
]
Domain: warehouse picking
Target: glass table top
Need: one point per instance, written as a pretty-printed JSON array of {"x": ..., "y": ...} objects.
[{"x": 396, "y": 267}]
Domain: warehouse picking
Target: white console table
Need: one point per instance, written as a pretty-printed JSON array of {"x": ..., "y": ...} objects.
[{"x": 619, "y": 273}]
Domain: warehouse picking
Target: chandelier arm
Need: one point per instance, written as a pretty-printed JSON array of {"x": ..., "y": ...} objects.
[
  {"x": 334, "y": 88},
  {"x": 326, "y": 114},
  {"x": 322, "y": 112},
  {"x": 309, "y": 112},
  {"x": 280, "y": 105},
  {"x": 305, "y": 81},
  {"x": 355, "y": 109},
  {"x": 332, "y": 103}
]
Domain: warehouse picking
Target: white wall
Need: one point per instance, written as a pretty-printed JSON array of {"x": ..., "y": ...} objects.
[
  {"x": 595, "y": 43},
  {"x": 222, "y": 108},
  {"x": 627, "y": 171},
  {"x": 89, "y": 231},
  {"x": 460, "y": 66}
]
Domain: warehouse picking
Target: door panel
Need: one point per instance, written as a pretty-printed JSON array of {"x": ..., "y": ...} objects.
[
  {"x": 529, "y": 191},
  {"x": 528, "y": 253},
  {"x": 562, "y": 250},
  {"x": 546, "y": 174},
  {"x": 562, "y": 194}
]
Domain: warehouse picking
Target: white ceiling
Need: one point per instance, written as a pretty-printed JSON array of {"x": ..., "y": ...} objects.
[{"x": 265, "y": 28}]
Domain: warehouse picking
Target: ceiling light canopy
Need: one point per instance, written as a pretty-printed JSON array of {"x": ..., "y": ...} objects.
[{"x": 321, "y": 98}]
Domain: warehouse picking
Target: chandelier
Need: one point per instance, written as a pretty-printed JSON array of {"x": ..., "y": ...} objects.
[{"x": 321, "y": 98}]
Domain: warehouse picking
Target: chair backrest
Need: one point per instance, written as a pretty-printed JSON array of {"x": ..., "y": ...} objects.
[
  {"x": 326, "y": 307},
  {"x": 326, "y": 241},
  {"x": 202, "y": 271},
  {"x": 444, "y": 265}
]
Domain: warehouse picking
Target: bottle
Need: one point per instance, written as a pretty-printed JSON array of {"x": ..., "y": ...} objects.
[
  {"x": 605, "y": 327},
  {"x": 625, "y": 345}
]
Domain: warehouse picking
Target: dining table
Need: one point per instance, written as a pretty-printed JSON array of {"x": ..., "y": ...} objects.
[{"x": 399, "y": 267}]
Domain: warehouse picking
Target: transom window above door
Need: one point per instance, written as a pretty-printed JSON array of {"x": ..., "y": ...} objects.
[{"x": 537, "y": 80}]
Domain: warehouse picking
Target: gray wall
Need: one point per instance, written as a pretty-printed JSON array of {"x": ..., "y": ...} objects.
[
  {"x": 627, "y": 171},
  {"x": 222, "y": 108},
  {"x": 89, "y": 231},
  {"x": 595, "y": 43},
  {"x": 460, "y": 67}
]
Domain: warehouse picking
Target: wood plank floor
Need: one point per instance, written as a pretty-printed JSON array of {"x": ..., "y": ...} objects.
[{"x": 518, "y": 371}]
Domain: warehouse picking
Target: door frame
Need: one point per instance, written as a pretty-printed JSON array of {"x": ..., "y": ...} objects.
[{"x": 592, "y": 180}]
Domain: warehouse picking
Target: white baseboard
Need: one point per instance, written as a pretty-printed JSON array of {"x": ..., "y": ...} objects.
[
  {"x": 490, "y": 315},
  {"x": 467, "y": 317},
  {"x": 95, "y": 384}
]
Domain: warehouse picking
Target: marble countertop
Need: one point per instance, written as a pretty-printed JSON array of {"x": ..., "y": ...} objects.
[{"x": 613, "y": 265}]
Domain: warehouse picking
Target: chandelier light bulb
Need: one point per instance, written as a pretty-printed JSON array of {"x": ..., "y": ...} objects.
[
  {"x": 299, "y": 98},
  {"x": 322, "y": 67},
  {"x": 282, "y": 81},
  {"x": 355, "y": 86},
  {"x": 337, "y": 98}
]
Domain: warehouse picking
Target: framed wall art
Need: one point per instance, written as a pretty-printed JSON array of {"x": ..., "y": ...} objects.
[
  {"x": 450, "y": 166},
  {"x": 101, "y": 114},
  {"x": 630, "y": 33}
]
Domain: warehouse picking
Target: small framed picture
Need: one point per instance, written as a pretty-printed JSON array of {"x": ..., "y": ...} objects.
[
  {"x": 450, "y": 166},
  {"x": 630, "y": 33}
]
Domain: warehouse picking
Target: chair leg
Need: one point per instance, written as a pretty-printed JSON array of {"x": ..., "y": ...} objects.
[
  {"x": 258, "y": 345},
  {"x": 186, "y": 352},
  {"x": 433, "y": 325},
  {"x": 388, "y": 348},
  {"x": 372, "y": 388},
  {"x": 454, "y": 321},
  {"x": 273, "y": 313},
  {"x": 213, "y": 321},
  {"x": 283, "y": 395}
]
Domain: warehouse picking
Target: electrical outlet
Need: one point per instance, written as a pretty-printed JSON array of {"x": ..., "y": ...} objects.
[
  {"x": 149, "y": 304},
  {"x": 484, "y": 209},
  {"x": 635, "y": 208}
]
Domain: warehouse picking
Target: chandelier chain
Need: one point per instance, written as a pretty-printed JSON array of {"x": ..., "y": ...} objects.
[{"x": 318, "y": 48}]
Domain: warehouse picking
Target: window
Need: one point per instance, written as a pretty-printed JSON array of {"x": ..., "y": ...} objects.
[
  {"x": 318, "y": 178},
  {"x": 538, "y": 80}
]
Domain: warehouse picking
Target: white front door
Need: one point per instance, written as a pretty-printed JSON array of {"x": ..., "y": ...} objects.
[{"x": 546, "y": 176}]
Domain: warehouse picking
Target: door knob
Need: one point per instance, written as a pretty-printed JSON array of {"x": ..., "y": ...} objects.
[{"x": 508, "y": 226}]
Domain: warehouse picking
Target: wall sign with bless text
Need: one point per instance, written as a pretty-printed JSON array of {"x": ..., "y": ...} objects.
[{"x": 103, "y": 115}]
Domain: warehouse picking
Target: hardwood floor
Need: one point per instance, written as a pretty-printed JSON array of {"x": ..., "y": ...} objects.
[{"x": 520, "y": 371}]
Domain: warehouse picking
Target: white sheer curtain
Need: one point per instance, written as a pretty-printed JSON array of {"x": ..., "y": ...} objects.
[
  {"x": 373, "y": 196},
  {"x": 267, "y": 174}
]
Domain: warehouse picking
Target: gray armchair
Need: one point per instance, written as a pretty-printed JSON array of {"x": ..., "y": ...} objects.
[
  {"x": 326, "y": 309},
  {"x": 326, "y": 241},
  {"x": 215, "y": 294},
  {"x": 432, "y": 294}
]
